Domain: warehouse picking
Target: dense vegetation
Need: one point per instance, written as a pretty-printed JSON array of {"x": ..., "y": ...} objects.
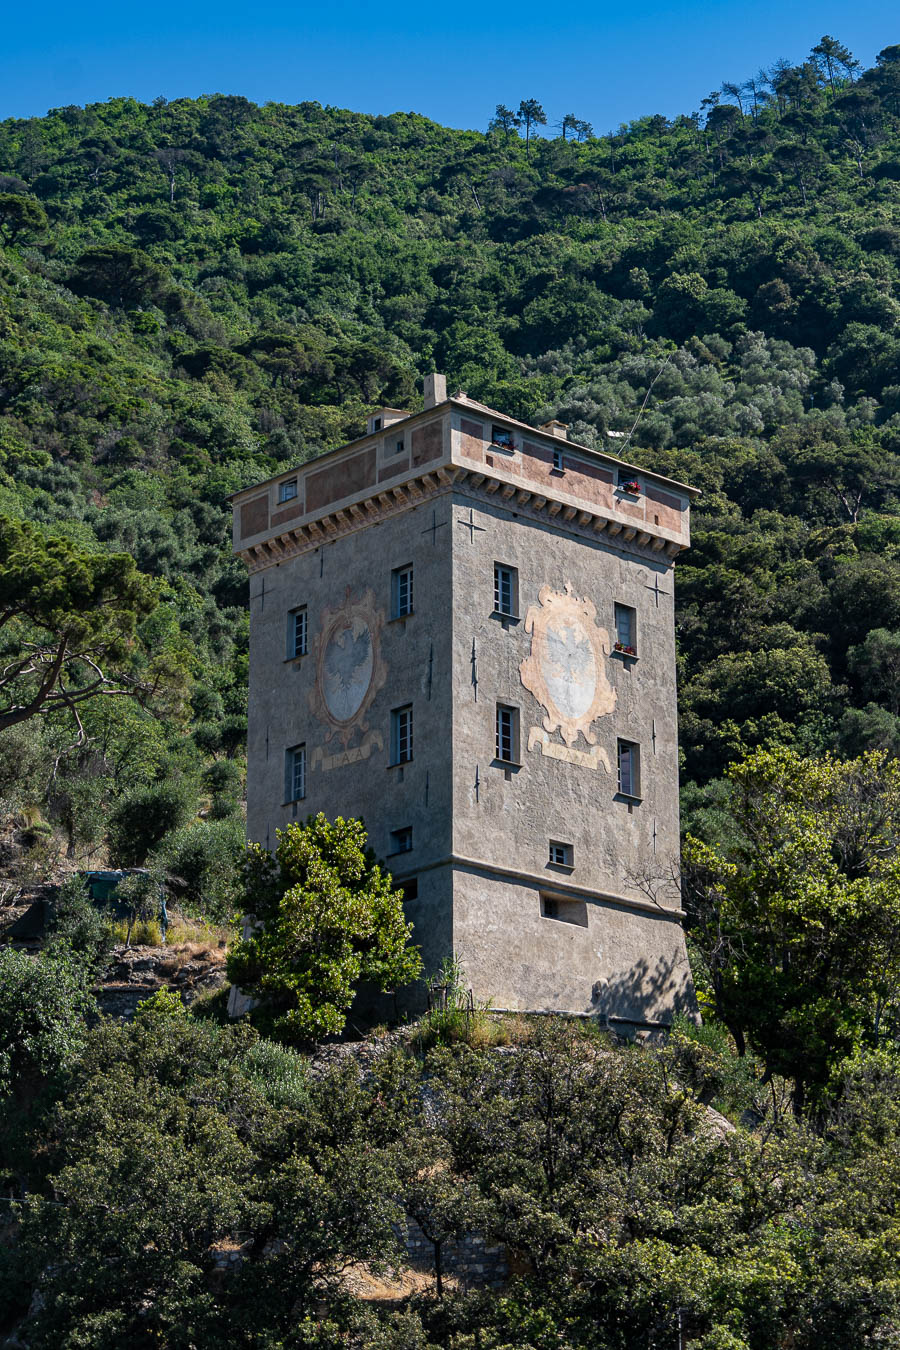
[{"x": 195, "y": 294}]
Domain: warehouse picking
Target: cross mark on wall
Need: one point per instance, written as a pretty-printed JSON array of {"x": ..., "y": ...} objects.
[
  {"x": 471, "y": 526},
  {"x": 433, "y": 528},
  {"x": 655, "y": 589}
]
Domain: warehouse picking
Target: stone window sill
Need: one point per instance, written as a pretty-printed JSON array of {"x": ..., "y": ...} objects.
[
  {"x": 629, "y": 797},
  {"x": 505, "y": 618}
]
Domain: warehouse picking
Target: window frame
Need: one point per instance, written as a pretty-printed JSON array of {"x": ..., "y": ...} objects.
[
  {"x": 401, "y": 735},
  {"x": 629, "y": 649},
  {"x": 401, "y": 840},
  {"x": 633, "y": 750},
  {"x": 400, "y": 446},
  {"x": 559, "y": 463},
  {"x": 513, "y": 572},
  {"x": 297, "y": 649},
  {"x": 397, "y": 576},
  {"x": 294, "y": 757},
  {"x": 513, "y": 760},
  {"x": 505, "y": 442},
  {"x": 566, "y": 855},
  {"x": 284, "y": 495}
]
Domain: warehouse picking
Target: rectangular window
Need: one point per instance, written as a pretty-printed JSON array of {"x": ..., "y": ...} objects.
[
  {"x": 398, "y": 448},
  {"x": 626, "y": 630},
  {"x": 561, "y": 855},
  {"x": 501, "y": 438},
  {"x": 629, "y": 769},
  {"x": 506, "y": 748},
  {"x": 401, "y": 591},
  {"x": 401, "y": 840},
  {"x": 401, "y": 735},
  {"x": 287, "y": 491},
  {"x": 628, "y": 483},
  {"x": 564, "y": 910},
  {"x": 558, "y": 465},
  {"x": 376, "y": 423},
  {"x": 506, "y": 590},
  {"x": 297, "y": 633},
  {"x": 295, "y": 773}
]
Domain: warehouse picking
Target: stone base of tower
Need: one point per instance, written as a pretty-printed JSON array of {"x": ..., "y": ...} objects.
[{"x": 526, "y": 947}]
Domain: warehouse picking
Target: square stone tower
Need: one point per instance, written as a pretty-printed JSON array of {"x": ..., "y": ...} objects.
[{"x": 461, "y": 630}]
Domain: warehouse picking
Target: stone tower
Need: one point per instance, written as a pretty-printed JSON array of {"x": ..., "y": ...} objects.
[{"x": 461, "y": 629}]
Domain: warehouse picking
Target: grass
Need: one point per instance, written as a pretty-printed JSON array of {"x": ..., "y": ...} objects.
[
  {"x": 479, "y": 1028},
  {"x": 145, "y": 933}
]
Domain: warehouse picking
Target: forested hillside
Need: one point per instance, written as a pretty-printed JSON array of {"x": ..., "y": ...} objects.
[{"x": 195, "y": 294}]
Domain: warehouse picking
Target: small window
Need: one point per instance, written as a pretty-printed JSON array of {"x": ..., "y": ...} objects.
[
  {"x": 401, "y": 591},
  {"x": 376, "y": 423},
  {"x": 506, "y": 590},
  {"x": 295, "y": 773},
  {"x": 287, "y": 491},
  {"x": 626, "y": 630},
  {"x": 558, "y": 462},
  {"x": 564, "y": 910},
  {"x": 501, "y": 438},
  {"x": 506, "y": 748},
  {"x": 409, "y": 889},
  {"x": 297, "y": 643},
  {"x": 402, "y": 735},
  {"x": 401, "y": 840},
  {"x": 398, "y": 448},
  {"x": 561, "y": 855},
  {"x": 629, "y": 769},
  {"x": 628, "y": 483}
]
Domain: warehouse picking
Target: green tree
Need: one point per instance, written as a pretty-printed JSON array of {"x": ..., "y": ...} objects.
[
  {"x": 69, "y": 627},
  {"x": 321, "y": 919},
  {"x": 532, "y": 114},
  {"x": 20, "y": 216},
  {"x": 504, "y": 120},
  {"x": 42, "y": 1028},
  {"x": 798, "y": 919}
]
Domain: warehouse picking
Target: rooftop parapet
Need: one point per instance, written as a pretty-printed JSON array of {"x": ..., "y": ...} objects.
[{"x": 457, "y": 441}]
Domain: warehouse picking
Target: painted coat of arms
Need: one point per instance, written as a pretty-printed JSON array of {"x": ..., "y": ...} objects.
[
  {"x": 566, "y": 668},
  {"x": 349, "y": 668}
]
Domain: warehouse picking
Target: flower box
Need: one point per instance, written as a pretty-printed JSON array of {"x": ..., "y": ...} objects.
[
  {"x": 625, "y": 649},
  {"x": 633, "y": 486}
]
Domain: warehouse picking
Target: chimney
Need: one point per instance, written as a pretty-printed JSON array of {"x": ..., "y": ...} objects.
[
  {"x": 435, "y": 390},
  {"x": 558, "y": 429}
]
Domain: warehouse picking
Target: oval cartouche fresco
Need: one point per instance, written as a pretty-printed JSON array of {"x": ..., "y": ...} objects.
[{"x": 566, "y": 668}]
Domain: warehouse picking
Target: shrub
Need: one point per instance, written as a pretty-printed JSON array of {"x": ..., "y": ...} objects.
[
  {"x": 145, "y": 817},
  {"x": 203, "y": 861}
]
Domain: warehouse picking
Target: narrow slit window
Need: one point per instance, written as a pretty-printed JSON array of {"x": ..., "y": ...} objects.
[
  {"x": 287, "y": 491},
  {"x": 626, "y": 630},
  {"x": 506, "y": 748},
  {"x": 297, "y": 634},
  {"x": 506, "y": 588},
  {"x": 629, "y": 769},
  {"x": 402, "y": 735},
  {"x": 295, "y": 773},
  {"x": 558, "y": 462},
  {"x": 398, "y": 447},
  {"x": 402, "y": 591}
]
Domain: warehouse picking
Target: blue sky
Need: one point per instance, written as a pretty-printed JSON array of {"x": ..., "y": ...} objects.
[{"x": 606, "y": 62}]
